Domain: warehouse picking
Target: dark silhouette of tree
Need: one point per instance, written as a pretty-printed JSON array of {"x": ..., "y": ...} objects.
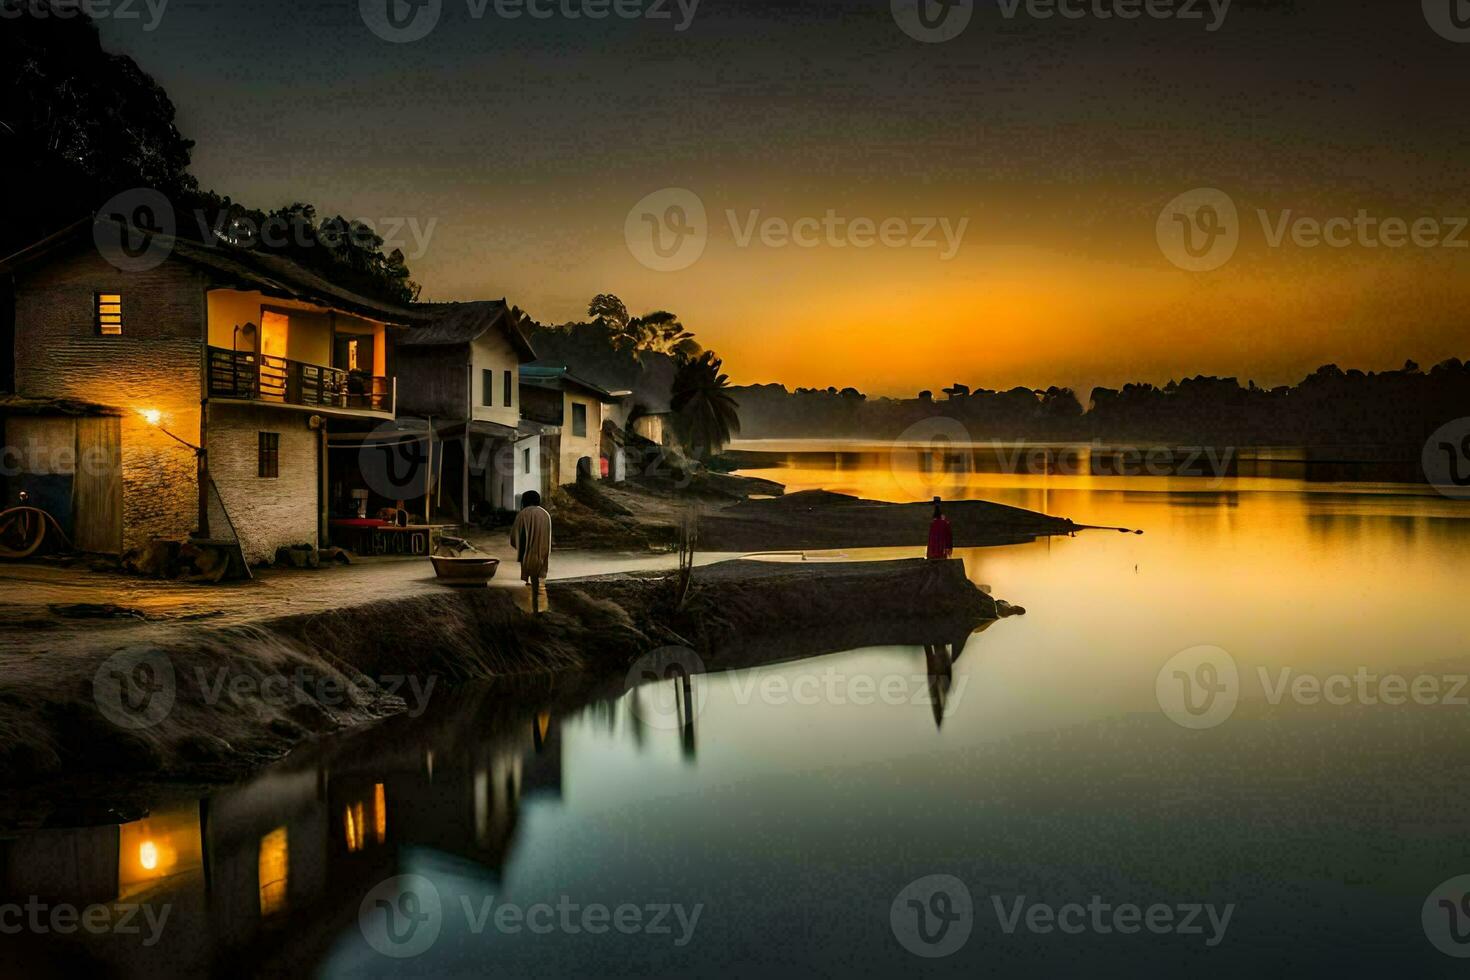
[
  {"x": 705, "y": 414},
  {"x": 659, "y": 331},
  {"x": 1396, "y": 410},
  {"x": 79, "y": 124},
  {"x": 609, "y": 309}
]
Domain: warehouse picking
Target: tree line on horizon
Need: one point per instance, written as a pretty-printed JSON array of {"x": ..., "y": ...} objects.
[{"x": 1329, "y": 407}]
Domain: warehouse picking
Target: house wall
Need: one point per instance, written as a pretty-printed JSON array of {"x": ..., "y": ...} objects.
[
  {"x": 541, "y": 404},
  {"x": 650, "y": 427},
  {"x": 309, "y": 334},
  {"x": 267, "y": 513},
  {"x": 527, "y": 478},
  {"x": 574, "y": 447},
  {"x": 492, "y": 351},
  {"x": 431, "y": 380},
  {"x": 155, "y": 364}
]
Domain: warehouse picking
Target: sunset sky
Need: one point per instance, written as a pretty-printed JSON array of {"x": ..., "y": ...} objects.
[{"x": 521, "y": 145}]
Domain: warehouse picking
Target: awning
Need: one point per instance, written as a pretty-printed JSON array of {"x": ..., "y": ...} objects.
[{"x": 410, "y": 429}]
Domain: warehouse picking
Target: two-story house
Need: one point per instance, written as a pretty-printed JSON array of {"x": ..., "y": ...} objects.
[
  {"x": 552, "y": 395},
  {"x": 460, "y": 375},
  {"x": 226, "y": 369}
]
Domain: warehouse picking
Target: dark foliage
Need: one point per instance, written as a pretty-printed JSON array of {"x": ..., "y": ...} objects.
[
  {"x": 1330, "y": 407},
  {"x": 79, "y": 124},
  {"x": 705, "y": 414}
]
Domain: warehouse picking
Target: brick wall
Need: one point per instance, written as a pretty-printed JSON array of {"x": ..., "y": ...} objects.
[
  {"x": 155, "y": 364},
  {"x": 267, "y": 513}
]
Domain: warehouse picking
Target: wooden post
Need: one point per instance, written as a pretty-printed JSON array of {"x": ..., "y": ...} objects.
[
  {"x": 429, "y": 472},
  {"x": 464, "y": 502},
  {"x": 201, "y": 469},
  {"x": 323, "y": 491}
]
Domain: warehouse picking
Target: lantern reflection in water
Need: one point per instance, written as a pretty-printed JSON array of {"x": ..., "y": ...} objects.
[
  {"x": 274, "y": 869},
  {"x": 355, "y": 820},
  {"x": 161, "y": 846}
]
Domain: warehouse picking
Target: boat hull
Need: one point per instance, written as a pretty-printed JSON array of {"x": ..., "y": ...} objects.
[{"x": 467, "y": 571}]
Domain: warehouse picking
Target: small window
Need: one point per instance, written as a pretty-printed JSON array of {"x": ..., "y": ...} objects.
[
  {"x": 270, "y": 455},
  {"x": 509, "y": 390},
  {"x": 487, "y": 387},
  {"x": 525, "y": 461},
  {"x": 109, "y": 314},
  {"x": 579, "y": 419}
]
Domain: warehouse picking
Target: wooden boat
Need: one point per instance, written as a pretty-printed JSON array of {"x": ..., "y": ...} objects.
[{"x": 466, "y": 570}]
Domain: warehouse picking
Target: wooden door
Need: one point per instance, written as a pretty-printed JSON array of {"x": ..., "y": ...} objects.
[{"x": 97, "y": 486}]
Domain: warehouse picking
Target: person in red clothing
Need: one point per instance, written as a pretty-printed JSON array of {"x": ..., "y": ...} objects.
[{"x": 941, "y": 540}]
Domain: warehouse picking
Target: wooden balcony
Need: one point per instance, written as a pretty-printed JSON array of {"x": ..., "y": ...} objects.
[{"x": 248, "y": 376}]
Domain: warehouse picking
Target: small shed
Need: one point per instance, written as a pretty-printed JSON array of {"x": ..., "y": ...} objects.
[{"x": 66, "y": 455}]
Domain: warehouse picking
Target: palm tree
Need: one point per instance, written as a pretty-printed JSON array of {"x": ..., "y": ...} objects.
[{"x": 705, "y": 413}]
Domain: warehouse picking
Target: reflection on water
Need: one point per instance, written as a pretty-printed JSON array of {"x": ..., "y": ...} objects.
[{"x": 791, "y": 803}]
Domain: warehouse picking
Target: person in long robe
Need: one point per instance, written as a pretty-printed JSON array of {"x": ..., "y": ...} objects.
[
  {"x": 941, "y": 538},
  {"x": 531, "y": 535}
]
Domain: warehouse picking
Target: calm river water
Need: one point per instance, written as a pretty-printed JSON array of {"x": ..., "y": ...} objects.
[{"x": 1235, "y": 743}]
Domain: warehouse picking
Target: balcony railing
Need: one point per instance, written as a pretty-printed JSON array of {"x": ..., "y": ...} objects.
[{"x": 249, "y": 376}]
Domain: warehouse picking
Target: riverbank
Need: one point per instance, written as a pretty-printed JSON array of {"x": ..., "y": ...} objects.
[
  {"x": 205, "y": 704},
  {"x": 748, "y": 514}
]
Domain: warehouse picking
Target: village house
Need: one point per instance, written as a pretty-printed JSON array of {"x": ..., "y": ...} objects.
[
  {"x": 460, "y": 383},
  {"x": 551, "y": 395},
  {"x": 215, "y": 378}
]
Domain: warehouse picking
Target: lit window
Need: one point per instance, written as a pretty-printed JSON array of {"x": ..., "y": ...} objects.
[
  {"x": 352, "y": 355},
  {"x": 109, "y": 314},
  {"x": 269, "y": 463}
]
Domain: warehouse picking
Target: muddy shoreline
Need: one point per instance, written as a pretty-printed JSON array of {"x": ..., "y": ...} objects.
[
  {"x": 749, "y": 514},
  {"x": 241, "y": 697}
]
